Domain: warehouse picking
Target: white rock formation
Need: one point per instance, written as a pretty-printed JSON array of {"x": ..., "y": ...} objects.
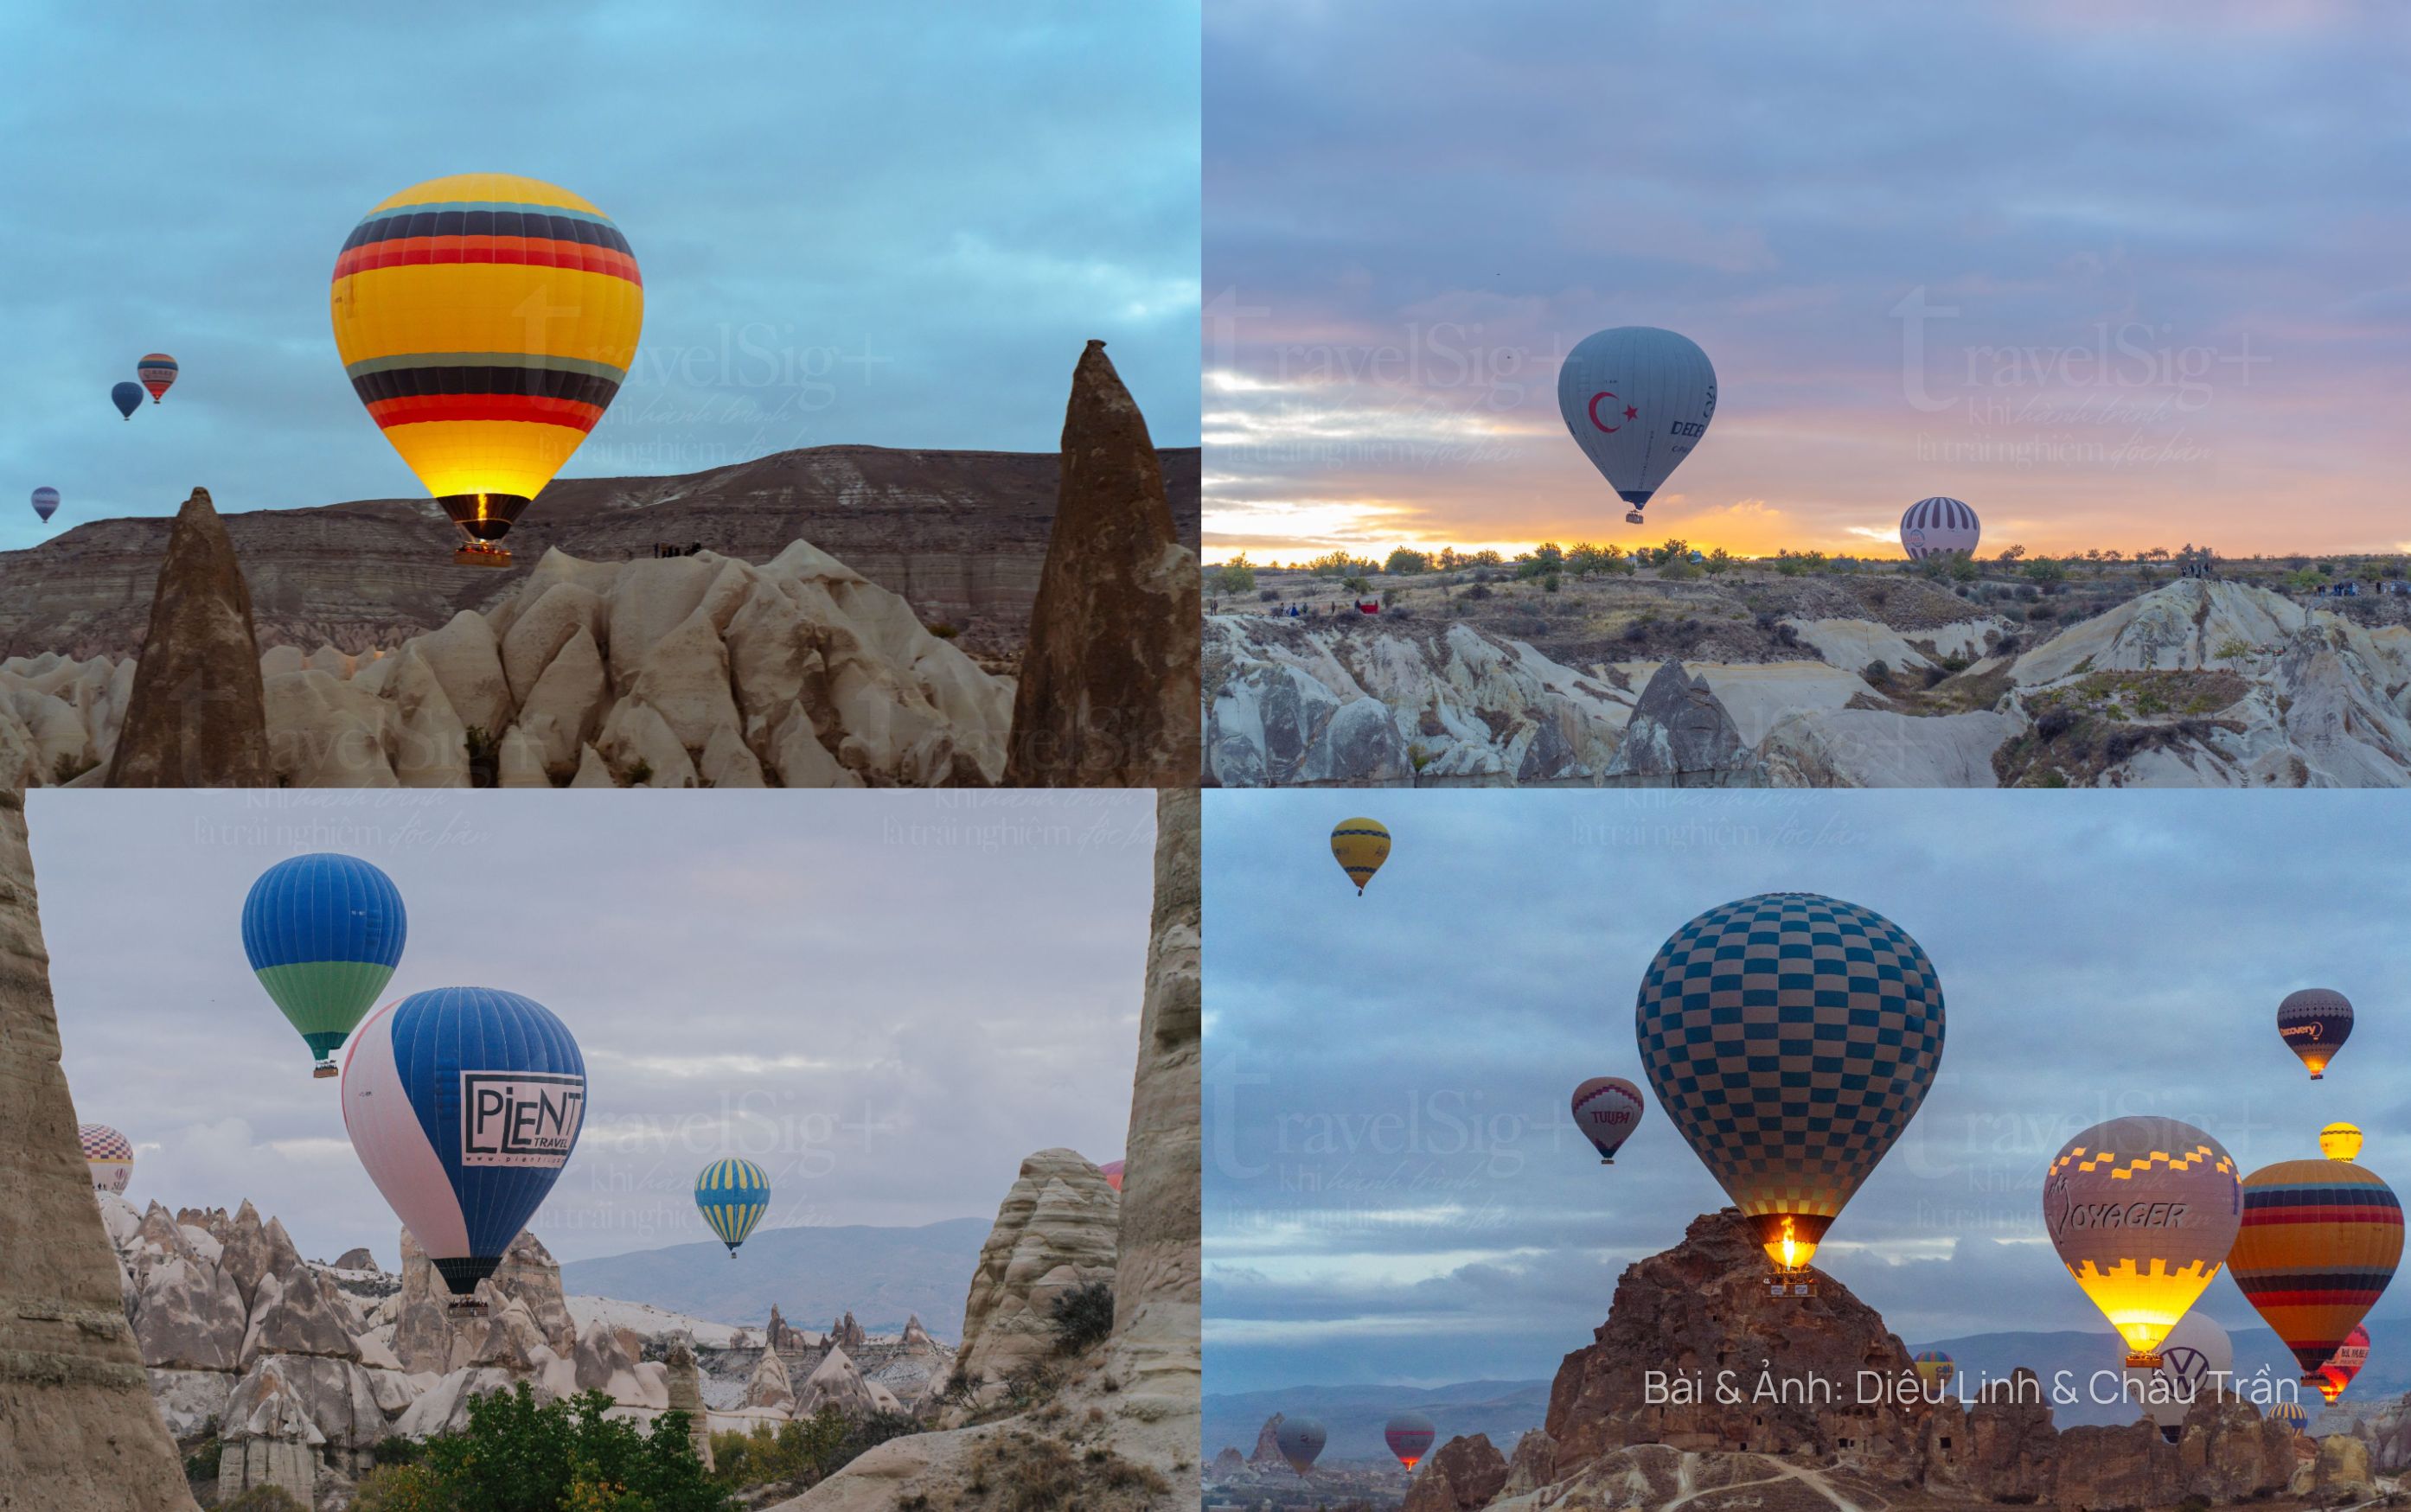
[{"x": 1057, "y": 1229}]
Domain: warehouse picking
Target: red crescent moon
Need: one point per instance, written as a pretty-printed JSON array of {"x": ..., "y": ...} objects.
[{"x": 1604, "y": 429}]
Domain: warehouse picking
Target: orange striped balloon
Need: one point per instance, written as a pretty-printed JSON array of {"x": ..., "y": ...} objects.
[
  {"x": 486, "y": 321},
  {"x": 2319, "y": 1241}
]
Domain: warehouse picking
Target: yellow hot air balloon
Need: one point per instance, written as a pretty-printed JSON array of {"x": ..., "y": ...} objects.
[
  {"x": 1360, "y": 846},
  {"x": 2340, "y": 1142},
  {"x": 486, "y": 321},
  {"x": 2143, "y": 1212}
]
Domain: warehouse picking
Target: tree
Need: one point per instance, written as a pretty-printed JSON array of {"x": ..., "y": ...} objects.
[
  {"x": 1720, "y": 560},
  {"x": 1543, "y": 559},
  {"x": 1406, "y": 562},
  {"x": 516, "y": 1456},
  {"x": 2011, "y": 555},
  {"x": 2044, "y": 570},
  {"x": 1238, "y": 575}
]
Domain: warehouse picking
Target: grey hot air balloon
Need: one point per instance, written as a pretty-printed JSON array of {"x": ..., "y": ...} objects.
[
  {"x": 1637, "y": 400},
  {"x": 46, "y": 502},
  {"x": 1300, "y": 1441},
  {"x": 1939, "y": 526}
]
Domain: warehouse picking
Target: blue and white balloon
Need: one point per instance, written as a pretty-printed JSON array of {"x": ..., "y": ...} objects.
[{"x": 1637, "y": 400}]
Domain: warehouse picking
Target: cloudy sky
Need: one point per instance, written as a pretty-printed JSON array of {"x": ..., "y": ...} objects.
[
  {"x": 2098, "y": 959},
  {"x": 891, "y": 224},
  {"x": 884, "y": 999},
  {"x": 2119, "y": 276}
]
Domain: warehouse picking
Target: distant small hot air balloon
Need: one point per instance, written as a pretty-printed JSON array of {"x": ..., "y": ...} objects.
[
  {"x": 1300, "y": 1442},
  {"x": 324, "y": 933},
  {"x": 2196, "y": 1361},
  {"x": 1933, "y": 1367},
  {"x": 1939, "y": 526},
  {"x": 733, "y": 1195},
  {"x": 1732, "y": 1012},
  {"x": 1637, "y": 400},
  {"x": 1607, "y": 1109},
  {"x": 2290, "y": 1414},
  {"x": 1409, "y": 1437},
  {"x": 157, "y": 371},
  {"x": 46, "y": 503},
  {"x": 107, "y": 1155},
  {"x": 2341, "y": 1142},
  {"x": 2319, "y": 1241},
  {"x": 2344, "y": 1363},
  {"x": 464, "y": 1103},
  {"x": 128, "y": 398},
  {"x": 1360, "y": 846},
  {"x": 1112, "y": 1170},
  {"x": 2315, "y": 1023},
  {"x": 2141, "y": 1211}
]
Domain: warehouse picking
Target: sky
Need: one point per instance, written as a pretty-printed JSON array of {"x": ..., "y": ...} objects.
[
  {"x": 1394, "y": 1191},
  {"x": 895, "y": 224},
  {"x": 2118, "y": 276},
  {"x": 885, "y": 999}
]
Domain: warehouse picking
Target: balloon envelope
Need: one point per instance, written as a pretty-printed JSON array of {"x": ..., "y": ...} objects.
[
  {"x": 157, "y": 371},
  {"x": 1409, "y": 1437},
  {"x": 1939, "y": 526},
  {"x": 2141, "y": 1211},
  {"x": 1637, "y": 400},
  {"x": 2290, "y": 1414},
  {"x": 1735, "y": 1008},
  {"x": 1300, "y": 1441},
  {"x": 2319, "y": 1241},
  {"x": 1933, "y": 1366},
  {"x": 486, "y": 321},
  {"x": 1112, "y": 1171},
  {"x": 2197, "y": 1359},
  {"x": 464, "y": 1103},
  {"x": 1607, "y": 1109},
  {"x": 107, "y": 1155},
  {"x": 2344, "y": 1363},
  {"x": 732, "y": 1195},
  {"x": 2340, "y": 1142},
  {"x": 2315, "y": 1023},
  {"x": 46, "y": 503},
  {"x": 324, "y": 933},
  {"x": 1360, "y": 846},
  {"x": 128, "y": 398}
]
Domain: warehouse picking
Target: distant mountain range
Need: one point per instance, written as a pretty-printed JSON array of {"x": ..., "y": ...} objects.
[
  {"x": 961, "y": 535},
  {"x": 814, "y": 1274}
]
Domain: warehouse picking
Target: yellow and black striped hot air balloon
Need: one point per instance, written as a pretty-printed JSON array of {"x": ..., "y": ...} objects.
[
  {"x": 486, "y": 321},
  {"x": 1360, "y": 846}
]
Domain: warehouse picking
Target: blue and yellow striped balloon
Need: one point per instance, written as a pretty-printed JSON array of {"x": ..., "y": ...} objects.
[{"x": 732, "y": 1195}]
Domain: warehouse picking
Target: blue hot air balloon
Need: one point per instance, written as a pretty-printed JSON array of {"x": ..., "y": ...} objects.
[
  {"x": 733, "y": 1195},
  {"x": 324, "y": 933},
  {"x": 128, "y": 398},
  {"x": 46, "y": 503},
  {"x": 464, "y": 1103},
  {"x": 1637, "y": 400}
]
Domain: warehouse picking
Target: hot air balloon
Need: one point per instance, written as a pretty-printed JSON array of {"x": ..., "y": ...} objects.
[
  {"x": 324, "y": 931},
  {"x": 1409, "y": 1437},
  {"x": 2196, "y": 1361},
  {"x": 1299, "y": 1440},
  {"x": 1733, "y": 1012},
  {"x": 1939, "y": 526},
  {"x": 107, "y": 1155},
  {"x": 2344, "y": 1363},
  {"x": 2315, "y": 1023},
  {"x": 1933, "y": 1367},
  {"x": 486, "y": 321},
  {"x": 2319, "y": 1241},
  {"x": 2290, "y": 1414},
  {"x": 464, "y": 1103},
  {"x": 2141, "y": 1210},
  {"x": 1112, "y": 1171},
  {"x": 1637, "y": 400},
  {"x": 2340, "y": 1142},
  {"x": 1360, "y": 846},
  {"x": 157, "y": 371},
  {"x": 733, "y": 1195},
  {"x": 46, "y": 503},
  {"x": 128, "y": 398},
  {"x": 1607, "y": 1109}
]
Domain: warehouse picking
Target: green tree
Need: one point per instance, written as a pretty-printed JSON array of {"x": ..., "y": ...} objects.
[
  {"x": 1720, "y": 560},
  {"x": 2044, "y": 570},
  {"x": 517, "y": 1456},
  {"x": 2013, "y": 555},
  {"x": 1238, "y": 575},
  {"x": 1406, "y": 562},
  {"x": 1541, "y": 560}
]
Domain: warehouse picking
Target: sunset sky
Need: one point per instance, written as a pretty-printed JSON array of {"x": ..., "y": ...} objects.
[{"x": 2117, "y": 276}]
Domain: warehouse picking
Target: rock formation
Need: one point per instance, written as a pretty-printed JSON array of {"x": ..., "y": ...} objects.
[
  {"x": 834, "y": 1382},
  {"x": 770, "y": 1386},
  {"x": 1464, "y": 1474},
  {"x": 1679, "y": 737},
  {"x": 686, "y": 1396},
  {"x": 195, "y": 718},
  {"x": 79, "y": 1431},
  {"x": 1058, "y": 1230},
  {"x": 1108, "y": 685},
  {"x": 847, "y": 1334},
  {"x": 525, "y": 1289},
  {"x": 1267, "y": 1450}
]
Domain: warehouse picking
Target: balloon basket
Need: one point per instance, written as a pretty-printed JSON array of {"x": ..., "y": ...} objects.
[
  {"x": 2143, "y": 1360},
  {"x": 1632, "y": 517},
  {"x": 1790, "y": 1286},
  {"x": 482, "y": 556},
  {"x": 323, "y": 1070},
  {"x": 466, "y": 1307}
]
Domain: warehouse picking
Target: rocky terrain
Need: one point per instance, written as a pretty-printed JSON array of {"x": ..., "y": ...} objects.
[
  {"x": 1779, "y": 1439},
  {"x": 961, "y": 535},
  {"x": 1867, "y": 683}
]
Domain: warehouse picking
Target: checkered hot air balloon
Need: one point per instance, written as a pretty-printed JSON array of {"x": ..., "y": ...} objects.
[
  {"x": 2141, "y": 1211},
  {"x": 486, "y": 321},
  {"x": 1607, "y": 1109},
  {"x": 2319, "y": 1243},
  {"x": 1939, "y": 526},
  {"x": 464, "y": 1103},
  {"x": 107, "y": 1155},
  {"x": 1790, "y": 1037},
  {"x": 324, "y": 933},
  {"x": 157, "y": 371},
  {"x": 1409, "y": 1437},
  {"x": 733, "y": 1195},
  {"x": 1360, "y": 846},
  {"x": 2315, "y": 1024}
]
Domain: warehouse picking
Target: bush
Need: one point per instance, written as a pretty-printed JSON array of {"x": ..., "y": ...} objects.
[
  {"x": 394, "y": 1449},
  {"x": 1876, "y": 671},
  {"x": 944, "y": 629},
  {"x": 1549, "y": 583},
  {"x": 1238, "y": 576},
  {"x": 1084, "y": 1315},
  {"x": 1476, "y": 590},
  {"x": 398, "y": 1488},
  {"x": 1406, "y": 562},
  {"x": 263, "y": 1499},
  {"x": 202, "y": 1463}
]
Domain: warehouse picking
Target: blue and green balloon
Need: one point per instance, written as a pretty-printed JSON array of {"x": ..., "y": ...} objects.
[
  {"x": 733, "y": 1195},
  {"x": 324, "y": 933}
]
